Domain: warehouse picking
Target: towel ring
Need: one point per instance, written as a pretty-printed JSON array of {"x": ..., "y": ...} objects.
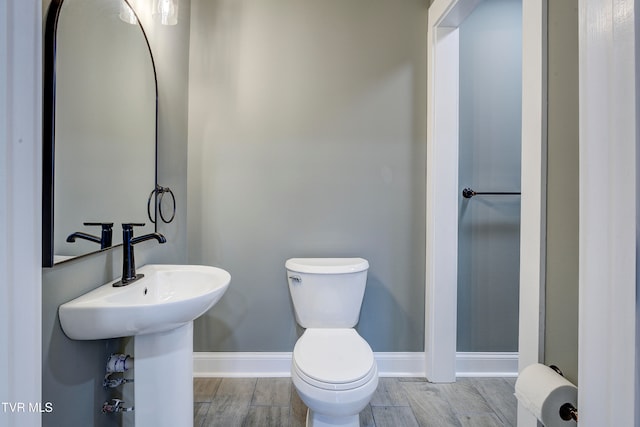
[
  {"x": 161, "y": 190},
  {"x": 173, "y": 199}
]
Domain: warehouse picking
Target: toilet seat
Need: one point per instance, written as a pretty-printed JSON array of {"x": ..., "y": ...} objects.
[{"x": 333, "y": 359}]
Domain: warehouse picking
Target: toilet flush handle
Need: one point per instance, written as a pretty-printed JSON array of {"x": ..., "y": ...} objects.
[{"x": 296, "y": 278}]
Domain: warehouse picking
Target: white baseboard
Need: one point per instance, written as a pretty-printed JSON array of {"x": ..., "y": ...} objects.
[
  {"x": 241, "y": 365},
  {"x": 493, "y": 364},
  {"x": 390, "y": 364}
]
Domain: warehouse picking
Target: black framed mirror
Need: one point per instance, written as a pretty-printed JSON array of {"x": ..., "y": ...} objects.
[{"x": 99, "y": 127}]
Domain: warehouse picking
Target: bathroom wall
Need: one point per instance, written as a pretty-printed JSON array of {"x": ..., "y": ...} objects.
[
  {"x": 73, "y": 370},
  {"x": 561, "y": 302},
  {"x": 489, "y": 153},
  {"x": 307, "y": 138}
]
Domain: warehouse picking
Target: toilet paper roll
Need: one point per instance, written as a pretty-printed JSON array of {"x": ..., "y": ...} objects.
[{"x": 543, "y": 391}]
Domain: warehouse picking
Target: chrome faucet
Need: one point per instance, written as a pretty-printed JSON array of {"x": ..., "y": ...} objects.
[
  {"x": 104, "y": 240},
  {"x": 128, "y": 262}
]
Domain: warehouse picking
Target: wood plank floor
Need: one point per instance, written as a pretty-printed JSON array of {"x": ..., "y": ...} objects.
[{"x": 398, "y": 402}]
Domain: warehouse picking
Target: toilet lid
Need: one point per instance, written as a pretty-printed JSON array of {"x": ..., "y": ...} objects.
[
  {"x": 335, "y": 356},
  {"x": 327, "y": 265}
]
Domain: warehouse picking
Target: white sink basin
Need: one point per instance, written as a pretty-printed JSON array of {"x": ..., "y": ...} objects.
[{"x": 167, "y": 297}]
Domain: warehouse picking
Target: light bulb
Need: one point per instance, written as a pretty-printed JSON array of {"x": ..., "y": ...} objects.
[
  {"x": 166, "y": 11},
  {"x": 126, "y": 13}
]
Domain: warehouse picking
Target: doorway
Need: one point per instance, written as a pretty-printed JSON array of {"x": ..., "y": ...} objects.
[
  {"x": 443, "y": 186},
  {"x": 490, "y": 130}
]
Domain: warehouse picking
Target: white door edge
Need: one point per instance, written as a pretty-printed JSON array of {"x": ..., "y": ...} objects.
[{"x": 607, "y": 230}]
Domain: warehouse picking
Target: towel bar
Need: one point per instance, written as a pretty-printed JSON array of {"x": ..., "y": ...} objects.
[{"x": 468, "y": 193}]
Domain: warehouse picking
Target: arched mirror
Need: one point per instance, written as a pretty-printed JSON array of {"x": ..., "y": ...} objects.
[{"x": 100, "y": 122}]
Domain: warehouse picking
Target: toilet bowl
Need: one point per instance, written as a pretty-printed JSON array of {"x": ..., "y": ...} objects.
[
  {"x": 333, "y": 368},
  {"x": 335, "y": 375}
]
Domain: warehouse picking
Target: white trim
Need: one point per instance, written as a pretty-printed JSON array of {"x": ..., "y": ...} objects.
[
  {"x": 442, "y": 195},
  {"x": 608, "y": 174},
  {"x": 241, "y": 364},
  {"x": 494, "y": 364},
  {"x": 442, "y": 184},
  {"x": 533, "y": 200},
  {"x": 263, "y": 364},
  {"x": 20, "y": 208},
  {"x": 392, "y": 364},
  {"x": 533, "y": 188}
]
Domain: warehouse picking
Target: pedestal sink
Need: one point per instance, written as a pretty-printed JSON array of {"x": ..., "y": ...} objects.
[{"x": 159, "y": 310}]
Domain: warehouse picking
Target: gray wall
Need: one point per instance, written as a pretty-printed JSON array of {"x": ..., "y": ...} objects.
[
  {"x": 561, "y": 314},
  {"x": 73, "y": 370},
  {"x": 490, "y": 147},
  {"x": 307, "y": 138}
]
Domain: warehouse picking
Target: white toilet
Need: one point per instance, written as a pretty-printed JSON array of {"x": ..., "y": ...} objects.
[{"x": 333, "y": 368}]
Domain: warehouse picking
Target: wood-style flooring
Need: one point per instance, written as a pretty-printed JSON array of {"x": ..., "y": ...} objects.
[{"x": 398, "y": 402}]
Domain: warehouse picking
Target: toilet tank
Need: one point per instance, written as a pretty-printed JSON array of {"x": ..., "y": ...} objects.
[{"x": 327, "y": 292}]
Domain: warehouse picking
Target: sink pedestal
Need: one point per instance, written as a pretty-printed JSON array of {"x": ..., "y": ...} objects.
[{"x": 163, "y": 387}]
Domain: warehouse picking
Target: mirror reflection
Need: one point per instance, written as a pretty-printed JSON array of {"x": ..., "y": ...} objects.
[{"x": 104, "y": 111}]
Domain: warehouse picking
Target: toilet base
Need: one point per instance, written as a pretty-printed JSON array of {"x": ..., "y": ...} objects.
[{"x": 315, "y": 419}]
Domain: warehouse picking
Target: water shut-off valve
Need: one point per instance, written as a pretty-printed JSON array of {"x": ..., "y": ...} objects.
[
  {"x": 116, "y": 363},
  {"x": 114, "y": 406}
]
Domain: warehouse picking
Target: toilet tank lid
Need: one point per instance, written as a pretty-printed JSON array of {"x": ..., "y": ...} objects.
[{"x": 327, "y": 265}]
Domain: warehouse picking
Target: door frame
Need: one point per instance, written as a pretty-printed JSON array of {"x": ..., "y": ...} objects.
[{"x": 442, "y": 184}]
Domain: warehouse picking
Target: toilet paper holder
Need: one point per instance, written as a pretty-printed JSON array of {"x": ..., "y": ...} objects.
[{"x": 567, "y": 411}]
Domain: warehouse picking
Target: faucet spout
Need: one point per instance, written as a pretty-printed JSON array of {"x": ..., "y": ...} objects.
[
  {"x": 104, "y": 240},
  {"x": 159, "y": 237},
  {"x": 80, "y": 235},
  {"x": 128, "y": 260}
]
